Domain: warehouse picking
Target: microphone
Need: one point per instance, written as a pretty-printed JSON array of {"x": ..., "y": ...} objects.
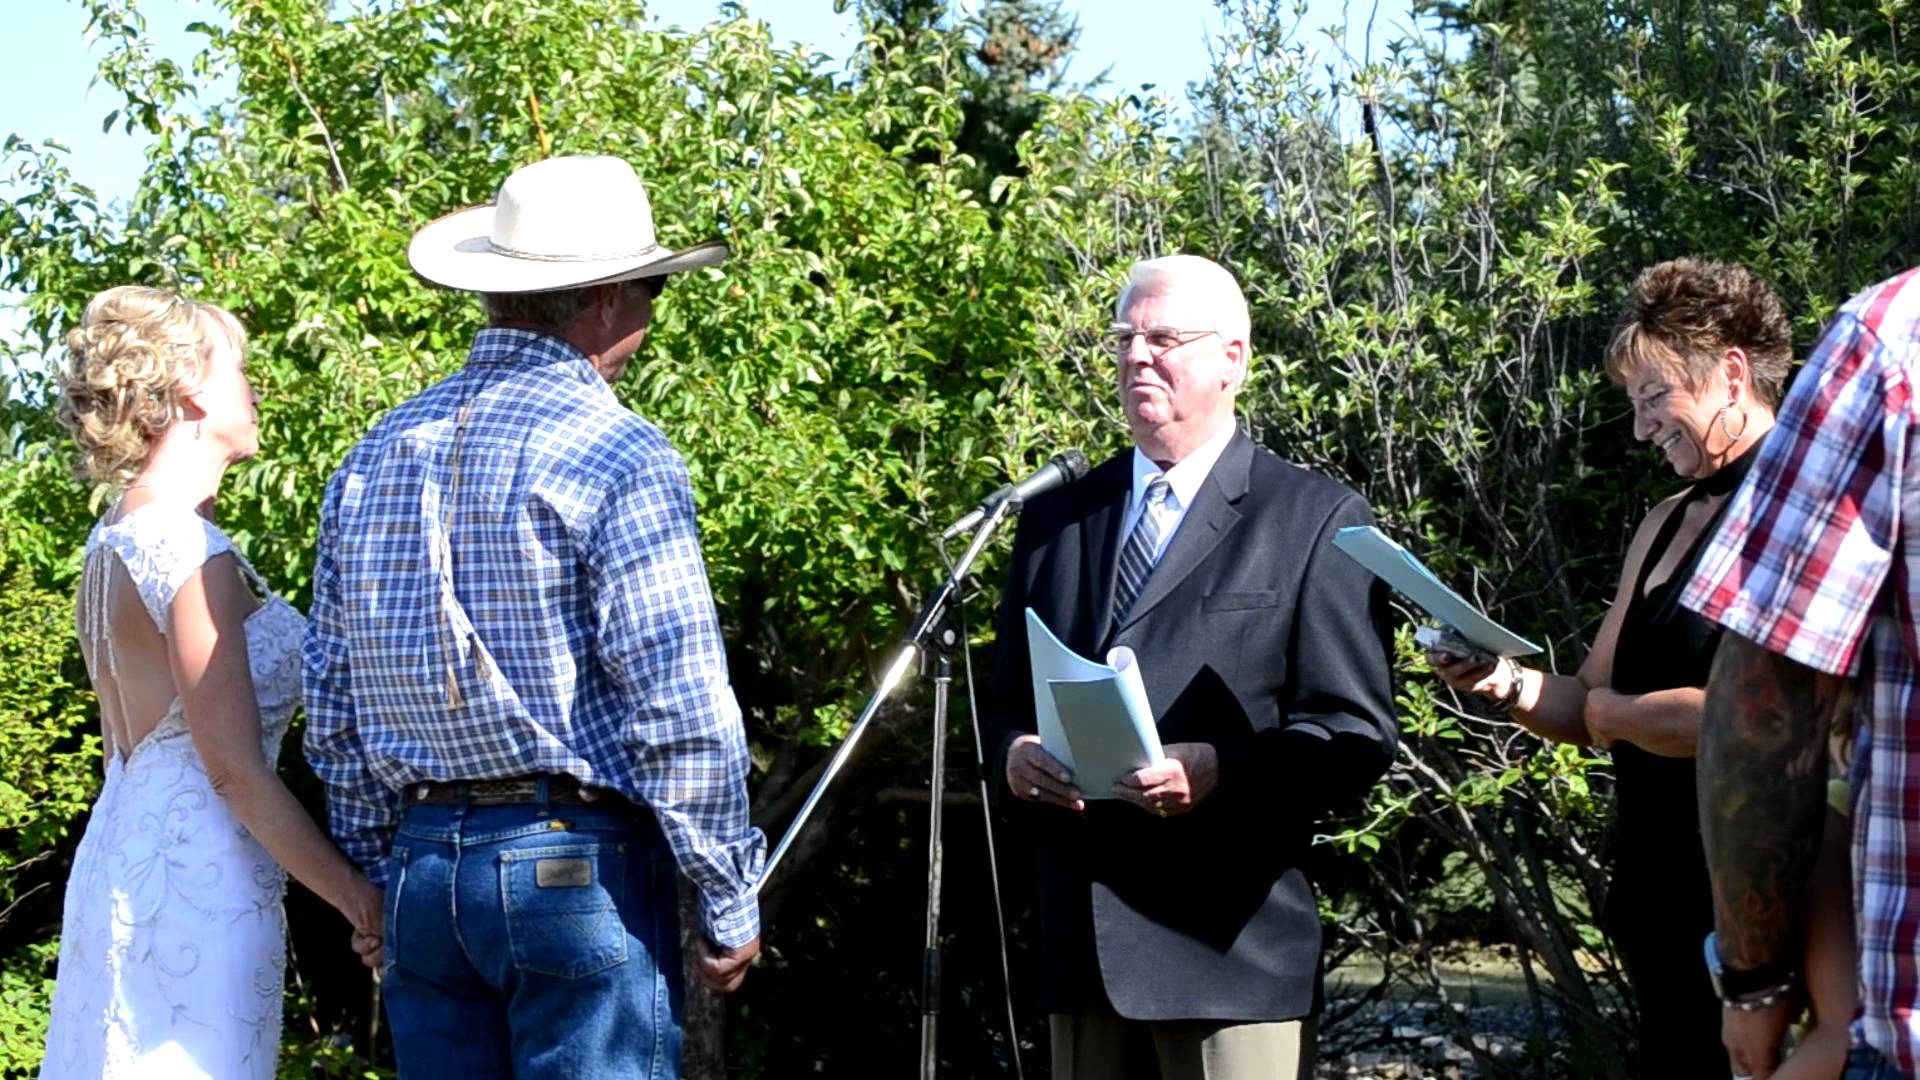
[{"x": 1063, "y": 468}]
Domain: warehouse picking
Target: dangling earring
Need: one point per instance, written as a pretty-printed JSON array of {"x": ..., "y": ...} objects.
[
  {"x": 1727, "y": 429},
  {"x": 199, "y": 428}
]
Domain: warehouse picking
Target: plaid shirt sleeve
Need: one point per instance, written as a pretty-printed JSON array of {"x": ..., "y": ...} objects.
[
  {"x": 361, "y": 811},
  {"x": 1809, "y": 538},
  {"x": 659, "y": 640}
]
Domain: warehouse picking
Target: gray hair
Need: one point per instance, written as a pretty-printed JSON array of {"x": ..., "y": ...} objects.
[
  {"x": 547, "y": 310},
  {"x": 552, "y": 310},
  {"x": 1194, "y": 275}
]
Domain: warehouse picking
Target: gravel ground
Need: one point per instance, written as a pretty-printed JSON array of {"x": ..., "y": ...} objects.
[{"x": 1398, "y": 1041}]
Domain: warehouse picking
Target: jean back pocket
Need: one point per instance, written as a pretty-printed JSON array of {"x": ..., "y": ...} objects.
[{"x": 563, "y": 907}]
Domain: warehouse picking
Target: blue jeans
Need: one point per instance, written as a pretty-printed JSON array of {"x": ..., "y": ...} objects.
[
  {"x": 1865, "y": 1063},
  {"x": 532, "y": 940}
]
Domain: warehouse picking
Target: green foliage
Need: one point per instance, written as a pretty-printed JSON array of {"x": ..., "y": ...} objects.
[
  {"x": 311, "y": 1051},
  {"x": 26, "y": 996},
  {"x": 47, "y": 767}
]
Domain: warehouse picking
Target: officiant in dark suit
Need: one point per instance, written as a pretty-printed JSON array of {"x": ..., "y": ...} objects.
[{"x": 1178, "y": 932}]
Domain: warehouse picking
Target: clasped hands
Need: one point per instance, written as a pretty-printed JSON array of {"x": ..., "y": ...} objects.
[
  {"x": 367, "y": 914},
  {"x": 1754, "y": 1038},
  {"x": 719, "y": 969},
  {"x": 1180, "y": 781}
]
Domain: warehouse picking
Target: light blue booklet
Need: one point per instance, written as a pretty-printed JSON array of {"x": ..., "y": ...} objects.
[
  {"x": 1397, "y": 567},
  {"x": 1094, "y": 717}
]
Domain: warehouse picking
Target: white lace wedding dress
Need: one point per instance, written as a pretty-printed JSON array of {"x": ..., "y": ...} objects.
[{"x": 172, "y": 941}]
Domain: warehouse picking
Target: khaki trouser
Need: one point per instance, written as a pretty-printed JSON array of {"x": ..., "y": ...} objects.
[{"x": 1099, "y": 1044}]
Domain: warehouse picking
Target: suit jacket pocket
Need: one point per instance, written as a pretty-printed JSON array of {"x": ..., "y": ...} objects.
[{"x": 1239, "y": 601}]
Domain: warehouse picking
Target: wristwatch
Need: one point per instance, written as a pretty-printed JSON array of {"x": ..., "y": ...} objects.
[{"x": 1753, "y": 988}]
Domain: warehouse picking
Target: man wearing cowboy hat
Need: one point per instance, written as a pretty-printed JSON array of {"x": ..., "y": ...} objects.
[{"x": 516, "y": 689}]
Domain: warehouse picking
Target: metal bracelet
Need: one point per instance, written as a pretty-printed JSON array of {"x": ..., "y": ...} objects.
[
  {"x": 1515, "y": 688},
  {"x": 1764, "y": 1001}
]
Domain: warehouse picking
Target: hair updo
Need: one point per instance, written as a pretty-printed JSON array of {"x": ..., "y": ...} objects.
[{"x": 135, "y": 352}]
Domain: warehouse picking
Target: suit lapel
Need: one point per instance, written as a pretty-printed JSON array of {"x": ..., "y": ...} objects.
[
  {"x": 1206, "y": 523},
  {"x": 1100, "y": 542}
]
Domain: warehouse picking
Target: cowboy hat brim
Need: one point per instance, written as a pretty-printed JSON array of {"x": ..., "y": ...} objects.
[{"x": 457, "y": 252}]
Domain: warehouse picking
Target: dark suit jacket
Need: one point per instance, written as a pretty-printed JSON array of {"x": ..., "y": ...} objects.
[{"x": 1254, "y": 635}]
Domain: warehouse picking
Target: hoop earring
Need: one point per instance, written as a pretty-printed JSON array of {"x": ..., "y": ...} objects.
[{"x": 1726, "y": 429}]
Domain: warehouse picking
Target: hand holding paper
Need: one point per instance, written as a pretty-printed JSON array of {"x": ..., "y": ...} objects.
[
  {"x": 1094, "y": 718},
  {"x": 1037, "y": 776},
  {"x": 1177, "y": 783},
  {"x": 1397, "y": 567}
]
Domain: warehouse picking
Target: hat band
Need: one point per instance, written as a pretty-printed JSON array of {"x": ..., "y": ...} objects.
[{"x": 534, "y": 256}]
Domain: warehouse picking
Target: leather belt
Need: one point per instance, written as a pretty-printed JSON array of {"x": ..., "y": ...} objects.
[{"x": 560, "y": 789}]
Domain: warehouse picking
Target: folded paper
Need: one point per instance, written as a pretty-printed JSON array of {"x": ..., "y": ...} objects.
[
  {"x": 1094, "y": 717},
  {"x": 1410, "y": 577}
]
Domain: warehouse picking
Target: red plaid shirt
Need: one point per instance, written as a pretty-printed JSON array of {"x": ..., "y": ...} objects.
[{"x": 1819, "y": 555}]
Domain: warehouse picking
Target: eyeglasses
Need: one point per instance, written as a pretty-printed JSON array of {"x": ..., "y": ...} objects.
[{"x": 1118, "y": 338}]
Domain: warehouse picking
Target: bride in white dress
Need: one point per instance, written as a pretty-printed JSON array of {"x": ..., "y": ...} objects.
[{"x": 172, "y": 949}]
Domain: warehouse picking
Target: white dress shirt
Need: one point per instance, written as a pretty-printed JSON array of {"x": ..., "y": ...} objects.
[{"x": 1183, "y": 482}]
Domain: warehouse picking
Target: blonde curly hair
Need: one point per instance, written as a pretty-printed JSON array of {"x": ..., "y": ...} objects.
[{"x": 135, "y": 352}]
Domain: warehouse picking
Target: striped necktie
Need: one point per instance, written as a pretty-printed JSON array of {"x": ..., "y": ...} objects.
[{"x": 1136, "y": 559}]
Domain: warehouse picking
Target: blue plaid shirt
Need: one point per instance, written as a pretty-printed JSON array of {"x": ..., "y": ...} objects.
[{"x": 519, "y": 590}]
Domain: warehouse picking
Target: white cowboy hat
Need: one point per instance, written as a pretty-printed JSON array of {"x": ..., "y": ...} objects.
[{"x": 561, "y": 223}]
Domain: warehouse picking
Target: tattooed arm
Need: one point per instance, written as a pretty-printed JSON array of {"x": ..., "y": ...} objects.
[
  {"x": 1763, "y": 778},
  {"x": 1763, "y": 791}
]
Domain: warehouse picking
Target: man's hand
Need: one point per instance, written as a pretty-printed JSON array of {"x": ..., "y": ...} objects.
[
  {"x": 1754, "y": 1038},
  {"x": 1176, "y": 784},
  {"x": 372, "y": 950},
  {"x": 722, "y": 970},
  {"x": 1037, "y": 776}
]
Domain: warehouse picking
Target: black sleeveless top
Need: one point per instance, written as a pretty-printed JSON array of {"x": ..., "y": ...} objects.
[{"x": 1662, "y": 646}]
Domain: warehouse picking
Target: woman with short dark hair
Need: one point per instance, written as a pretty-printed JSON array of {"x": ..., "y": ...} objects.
[{"x": 1702, "y": 350}]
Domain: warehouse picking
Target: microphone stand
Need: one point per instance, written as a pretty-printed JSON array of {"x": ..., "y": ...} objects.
[
  {"x": 929, "y": 631},
  {"x": 930, "y": 992}
]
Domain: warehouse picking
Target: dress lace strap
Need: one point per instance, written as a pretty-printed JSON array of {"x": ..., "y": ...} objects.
[{"x": 161, "y": 546}]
